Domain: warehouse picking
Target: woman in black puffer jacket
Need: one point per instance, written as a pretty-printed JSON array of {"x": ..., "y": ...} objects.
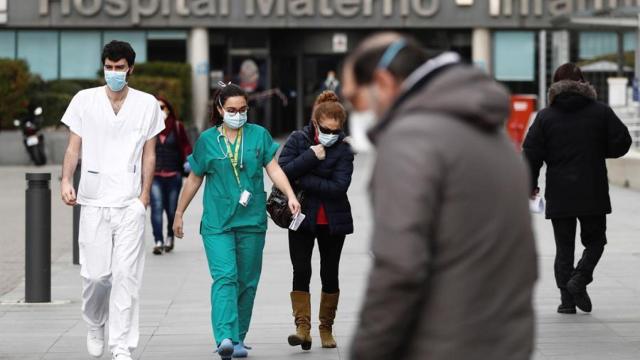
[{"x": 319, "y": 162}]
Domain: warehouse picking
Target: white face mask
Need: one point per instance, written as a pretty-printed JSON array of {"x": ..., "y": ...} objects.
[
  {"x": 360, "y": 122},
  {"x": 116, "y": 80},
  {"x": 327, "y": 139},
  {"x": 235, "y": 121}
]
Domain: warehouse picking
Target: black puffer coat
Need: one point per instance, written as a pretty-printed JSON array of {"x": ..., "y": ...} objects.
[
  {"x": 325, "y": 181},
  {"x": 574, "y": 136}
]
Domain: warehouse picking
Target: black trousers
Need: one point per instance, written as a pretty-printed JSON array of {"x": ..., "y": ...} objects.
[
  {"x": 593, "y": 235},
  {"x": 301, "y": 249}
]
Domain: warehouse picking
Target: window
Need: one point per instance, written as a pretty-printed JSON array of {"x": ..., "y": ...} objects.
[
  {"x": 137, "y": 39},
  {"x": 167, "y": 35},
  {"x": 7, "y": 44},
  {"x": 167, "y": 46},
  {"x": 40, "y": 50},
  {"x": 80, "y": 54},
  {"x": 597, "y": 44},
  {"x": 514, "y": 55},
  {"x": 630, "y": 41}
]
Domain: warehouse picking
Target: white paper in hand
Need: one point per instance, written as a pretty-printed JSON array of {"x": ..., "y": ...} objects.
[
  {"x": 536, "y": 205},
  {"x": 297, "y": 221}
]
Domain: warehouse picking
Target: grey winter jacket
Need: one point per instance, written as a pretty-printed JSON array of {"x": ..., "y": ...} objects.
[{"x": 455, "y": 259}]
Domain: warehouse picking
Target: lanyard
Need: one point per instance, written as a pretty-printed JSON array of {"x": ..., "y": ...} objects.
[{"x": 233, "y": 157}]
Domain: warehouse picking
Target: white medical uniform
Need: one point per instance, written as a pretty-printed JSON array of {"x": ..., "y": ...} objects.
[{"x": 112, "y": 219}]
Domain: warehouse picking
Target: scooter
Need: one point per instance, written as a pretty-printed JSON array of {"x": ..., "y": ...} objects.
[{"x": 33, "y": 139}]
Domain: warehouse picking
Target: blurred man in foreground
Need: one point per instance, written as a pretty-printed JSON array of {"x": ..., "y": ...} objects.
[{"x": 455, "y": 259}]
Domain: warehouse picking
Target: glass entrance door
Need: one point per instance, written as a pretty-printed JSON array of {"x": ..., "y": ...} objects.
[{"x": 316, "y": 70}]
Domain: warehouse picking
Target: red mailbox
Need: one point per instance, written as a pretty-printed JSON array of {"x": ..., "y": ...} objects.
[{"x": 522, "y": 108}]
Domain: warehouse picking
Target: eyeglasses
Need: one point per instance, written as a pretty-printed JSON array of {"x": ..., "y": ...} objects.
[
  {"x": 232, "y": 111},
  {"x": 325, "y": 130}
]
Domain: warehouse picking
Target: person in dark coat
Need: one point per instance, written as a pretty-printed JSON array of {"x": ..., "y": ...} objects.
[
  {"x": 172, "y": 148},
  {"x": 574, "y": 136},
  {"x": 318, "y": 161}
]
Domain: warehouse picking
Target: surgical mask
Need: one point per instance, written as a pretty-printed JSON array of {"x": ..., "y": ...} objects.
[
  {"x": 116, "y": 80},
  {"x": 327, "y": 139},
  {"x": 360, "y": 122},
  {"x": 235, "y": 121},
  {"x": 164, "y": 115}
]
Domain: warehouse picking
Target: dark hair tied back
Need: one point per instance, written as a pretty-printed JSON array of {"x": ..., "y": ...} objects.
[{"x": 225, "y": 92}]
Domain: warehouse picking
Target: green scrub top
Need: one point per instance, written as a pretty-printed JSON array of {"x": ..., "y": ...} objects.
[{"x": 222, "y": 210}]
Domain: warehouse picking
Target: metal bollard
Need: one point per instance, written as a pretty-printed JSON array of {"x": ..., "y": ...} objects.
[
  {"x": 76, "y": 217},
  {"x": 38, "y": 238}
]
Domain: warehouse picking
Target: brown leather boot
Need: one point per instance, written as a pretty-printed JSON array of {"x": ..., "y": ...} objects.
[
  {"x": 301, "y": 304},
  {"x": 328, "y": 308}
]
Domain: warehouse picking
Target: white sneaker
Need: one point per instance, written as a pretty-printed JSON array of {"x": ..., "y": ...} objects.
[
  {"x": 95, "y": 342},
  {"x": 157, "y": 250},
  {"x": 121, "y": 357}
]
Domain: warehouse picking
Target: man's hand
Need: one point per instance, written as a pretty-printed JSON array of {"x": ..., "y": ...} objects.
[
  {"x": 145, "y": 199},
  {"x": 68, "y": 193},
  {"x": 319, "y": 151},
  {"x": 178, "y": 229},
  {"x": 535, "y": 193}
]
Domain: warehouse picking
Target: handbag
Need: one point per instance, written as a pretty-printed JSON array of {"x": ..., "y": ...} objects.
[
  {"x": 278, "y": 204},
  {"x": 278, "y": 207}
]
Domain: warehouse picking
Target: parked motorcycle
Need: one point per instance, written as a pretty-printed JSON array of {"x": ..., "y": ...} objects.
[{"x": 33, "y": 139}]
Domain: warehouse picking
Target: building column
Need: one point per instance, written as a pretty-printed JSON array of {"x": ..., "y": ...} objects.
[
  {"x": 542, "y": 69},
  {"x": 637, "y": 57},
  {"x": 481, "y": 49},
  {"x": 198, "y": 57},
  {"x": 560, "y": 41}
]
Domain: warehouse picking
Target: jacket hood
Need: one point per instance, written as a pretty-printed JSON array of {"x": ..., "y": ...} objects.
[
  {"x": 463, "y": 92},
  {"x": 569, "y": 94}
]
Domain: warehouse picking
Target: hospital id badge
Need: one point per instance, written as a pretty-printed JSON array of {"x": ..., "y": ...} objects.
[{"x": 245, "y": 197}]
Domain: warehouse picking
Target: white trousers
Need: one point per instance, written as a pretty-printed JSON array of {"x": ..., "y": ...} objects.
[{"x": 112, "y": 255}]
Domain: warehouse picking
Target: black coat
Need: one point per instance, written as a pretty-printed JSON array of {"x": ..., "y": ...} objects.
[
  {"x": 574, "y": 136},
  {"x": 325, "y": 181}
]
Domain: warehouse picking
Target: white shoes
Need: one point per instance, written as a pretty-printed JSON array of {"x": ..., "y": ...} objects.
[
  {"x": 121, "y": 357},
  {"x": 95, "y": 342}
]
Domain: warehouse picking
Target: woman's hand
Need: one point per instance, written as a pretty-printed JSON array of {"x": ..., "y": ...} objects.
[
  {"x": 320, "y": 152},
  {"x": 281, "y": 181},
  {"x": 294, "y": 205},
  {"x": 178, "y": 229}
]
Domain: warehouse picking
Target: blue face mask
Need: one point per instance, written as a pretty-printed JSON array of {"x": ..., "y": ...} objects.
[
  {"x": 116, "y": 80},
  {"x": 235, "y": 121},
  {"x": 327, "y": 139}
]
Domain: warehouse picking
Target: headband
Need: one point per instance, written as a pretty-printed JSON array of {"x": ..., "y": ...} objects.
[{"x": 391, "y": 53}]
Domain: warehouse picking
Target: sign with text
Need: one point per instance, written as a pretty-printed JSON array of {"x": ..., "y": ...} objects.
[{"x": 329, "y": 14}]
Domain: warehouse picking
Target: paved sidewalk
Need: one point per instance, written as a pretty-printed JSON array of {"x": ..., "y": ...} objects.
[
  {"x": 175, "y": 294},
  {"x": 12, "y": 203}
]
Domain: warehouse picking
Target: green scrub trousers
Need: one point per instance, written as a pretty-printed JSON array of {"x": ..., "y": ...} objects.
[{"x": 235, "y": 263}]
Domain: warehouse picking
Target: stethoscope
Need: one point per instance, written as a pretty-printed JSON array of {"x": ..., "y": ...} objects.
[{"x": 226, "y": 150}]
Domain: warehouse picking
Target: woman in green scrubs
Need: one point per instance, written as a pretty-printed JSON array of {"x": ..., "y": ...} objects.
[{"x": 231, "y": 157}]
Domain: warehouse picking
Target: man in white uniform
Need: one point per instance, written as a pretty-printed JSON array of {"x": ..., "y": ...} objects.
[{"x": 114, "y": 127}]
